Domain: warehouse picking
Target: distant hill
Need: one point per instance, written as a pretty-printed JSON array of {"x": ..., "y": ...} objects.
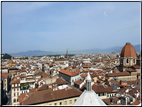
[
  {"x": 87, "y": 51},
  {"x": 107, "y": 50},
  {"x": 33, "y": 53},
  {"x": 6, "y": 56}
]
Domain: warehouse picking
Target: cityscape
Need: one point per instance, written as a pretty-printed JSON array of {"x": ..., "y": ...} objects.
[{"x": 71, "y": 54}]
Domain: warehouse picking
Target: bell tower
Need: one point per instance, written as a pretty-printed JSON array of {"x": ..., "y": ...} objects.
[{"x": 67, "y": 54}]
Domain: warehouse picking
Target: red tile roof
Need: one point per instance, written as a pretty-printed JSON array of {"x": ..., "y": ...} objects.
[
  {"x": 128, "y": 51},
  {"x": 50, "y": 95},
  {"x": 119, "y": 74},
  {"x": 107, "y": 101},
  {"x": 43, "y": 87},
  {"x": 4, "y": 75},
  {"x": 60, "y": 81},
  {"x": 15, "y": 81},
  {"x": 83, "y": 75},
  {"x": 136, "y": 66},
  {"x": 100, "y": 88},
  {"x": 68, "y": 72},
  {"x": 131, "y": 70},
  {"x": 78, "y": 82}
]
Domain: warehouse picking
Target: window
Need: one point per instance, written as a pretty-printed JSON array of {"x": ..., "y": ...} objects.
[
  {"x": 14, "y": 100},
  {"x": 134, "y": 61},
  {"x": 14, "y": 94},
  {"x": 107, "y": 95},
  {"x": 14, "y": 89},
  {"x": 74, "y": 100},
  {"x": 60, "y": 103},
  {"x": 70, "y": 101},
  {"x": 55, "y": 103},
  {"x": 18, "y": 94},
  {"x": 127, "y": 61},
  {"x": 65, "y": 102},
  {"x": 99, "y": 94}
]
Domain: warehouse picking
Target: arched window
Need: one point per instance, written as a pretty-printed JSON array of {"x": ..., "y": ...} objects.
[{"x": 127, "y": 61}]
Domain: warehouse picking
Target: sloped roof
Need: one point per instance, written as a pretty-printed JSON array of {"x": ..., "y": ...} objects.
[
  {"x": 101, "y": 88},
  {"x": 67, "y": 72},
  {"x": 60, "y": 81},
  {"x": 78, "y": 82},
  {"x": 119, "y": 74},
  {"x": 50, "y": 95}
]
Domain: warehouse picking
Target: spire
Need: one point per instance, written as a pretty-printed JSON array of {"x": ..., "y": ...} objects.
[{"x": 88, "y": 82}]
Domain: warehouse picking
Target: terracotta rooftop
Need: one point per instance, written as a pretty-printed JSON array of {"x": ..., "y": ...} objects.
[
  {"x": 60, "y": 81},
  {"x": 94, "y": 74},
  {"x": 119, "y": 74},
  {"x": 131, "y": 70},
  {"x": 83, "y": 75},
  {"x": 43, "y": 87},
  {"x": 15, "y": 81},
  {"x": 50, "y": 95},
  {"x": 136, "y": 66},
  {"x": 78, "y": 82},
  {"x": 4, "y": 75},
  {"x": 128, "y": 51},
  {"x": 107, "y": 101},
  {"x": 101, "y": 88},
  {"x": 68, "y": 72}
]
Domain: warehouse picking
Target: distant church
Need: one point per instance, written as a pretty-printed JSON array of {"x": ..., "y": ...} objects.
[
  {"x": 67, "y": 54},
  {"x": 127, "y": 57}
]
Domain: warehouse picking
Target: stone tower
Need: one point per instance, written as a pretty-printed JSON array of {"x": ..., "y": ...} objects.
[{"x": 67, "y": 54}]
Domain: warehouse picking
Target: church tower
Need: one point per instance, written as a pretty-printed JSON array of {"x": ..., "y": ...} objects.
[{"x": 67, "y": 54}]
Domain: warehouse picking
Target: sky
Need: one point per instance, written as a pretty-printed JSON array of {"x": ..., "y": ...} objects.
[{"x": 56, "y": 26}]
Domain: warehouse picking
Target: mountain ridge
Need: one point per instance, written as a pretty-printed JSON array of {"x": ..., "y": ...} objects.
[{"x": 86, "y": 51}]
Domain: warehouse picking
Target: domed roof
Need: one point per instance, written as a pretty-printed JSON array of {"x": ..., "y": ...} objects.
[{"x": 128, "y": 51}]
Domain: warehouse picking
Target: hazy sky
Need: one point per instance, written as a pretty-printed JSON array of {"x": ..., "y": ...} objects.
[{"x": 56, "y": 26}]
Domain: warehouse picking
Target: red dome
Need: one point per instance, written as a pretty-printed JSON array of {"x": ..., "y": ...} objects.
[{"x": 128, "y": 51}]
